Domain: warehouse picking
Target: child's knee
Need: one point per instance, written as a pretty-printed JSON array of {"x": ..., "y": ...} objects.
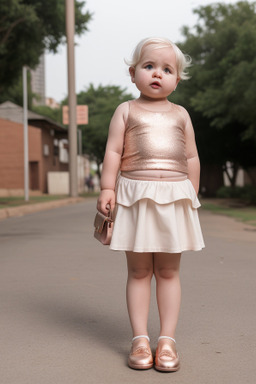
[
  {"x": 141, "y": 272},
  {"x": 166, "y": 273}
]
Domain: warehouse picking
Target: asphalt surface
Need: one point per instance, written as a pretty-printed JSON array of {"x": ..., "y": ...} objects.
[{"x": 63, "y": 317}]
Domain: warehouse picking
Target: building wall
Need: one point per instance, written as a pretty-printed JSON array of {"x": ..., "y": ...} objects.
[
  {"x": 51, "y": 162},
  {"x": 11, "y": 154},
  {"x": 38, "y": 82},
  {"x": 40, "y": 161}
]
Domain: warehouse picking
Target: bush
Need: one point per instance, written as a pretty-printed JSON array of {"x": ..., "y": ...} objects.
[
  {"x": 249, "y": 194},
  {"x": 246, "y": 193}
]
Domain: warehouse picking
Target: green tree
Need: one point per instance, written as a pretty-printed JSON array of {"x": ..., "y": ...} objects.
[
  {"x": 54, "y": 114},
  {"x": 208, "y": 139},
  {"x": 15, "y": 92},
  {"x": 222, "y": 88},
  {"x": 27, "y": 29},
  {"x": 102, "y": 102}
]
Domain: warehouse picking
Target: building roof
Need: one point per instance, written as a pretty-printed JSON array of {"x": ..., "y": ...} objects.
[{"x": 13, "y": 112}]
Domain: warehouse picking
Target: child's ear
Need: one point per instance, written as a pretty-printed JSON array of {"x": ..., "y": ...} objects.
[
  {"x": 132, "y": 73},
  {"x": 177, "y": 82}
]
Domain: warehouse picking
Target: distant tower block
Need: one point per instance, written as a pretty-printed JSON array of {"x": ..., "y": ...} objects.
[{"x": 38, "y": 82}]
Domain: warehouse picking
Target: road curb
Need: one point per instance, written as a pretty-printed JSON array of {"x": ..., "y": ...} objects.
[{"x": 37, "y": 207}]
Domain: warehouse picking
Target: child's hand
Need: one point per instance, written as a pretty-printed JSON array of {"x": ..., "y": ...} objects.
[{"x": 106, "y": 201}]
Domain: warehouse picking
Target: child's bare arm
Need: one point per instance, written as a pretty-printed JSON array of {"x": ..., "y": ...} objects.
[
  {"x": 192, "y": 154},
  {"x": 111, "y": 164}
]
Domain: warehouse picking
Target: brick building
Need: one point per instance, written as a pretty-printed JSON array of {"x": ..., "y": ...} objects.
[
  {"x": 38, "y": 82},
  {"x": 48, "y": 149}
]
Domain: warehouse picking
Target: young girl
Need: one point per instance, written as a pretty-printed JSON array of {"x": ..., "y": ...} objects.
[{"x": 151, "y": 142}]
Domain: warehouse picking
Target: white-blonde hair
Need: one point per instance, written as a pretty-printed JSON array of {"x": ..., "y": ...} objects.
[{"x": 183, "y": 61}]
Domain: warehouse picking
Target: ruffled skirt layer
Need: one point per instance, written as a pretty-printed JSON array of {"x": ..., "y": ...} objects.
[{"x": 156, "y": 216}]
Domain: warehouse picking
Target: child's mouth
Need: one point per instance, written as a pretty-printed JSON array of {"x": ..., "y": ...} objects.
[{"x": 155, "y": 85}]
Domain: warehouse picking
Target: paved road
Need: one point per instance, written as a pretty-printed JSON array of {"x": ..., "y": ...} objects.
[{"x": 63, "y": 314}]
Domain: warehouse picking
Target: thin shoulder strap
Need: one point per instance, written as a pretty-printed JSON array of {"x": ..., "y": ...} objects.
[{"x": 129, "y": 102}]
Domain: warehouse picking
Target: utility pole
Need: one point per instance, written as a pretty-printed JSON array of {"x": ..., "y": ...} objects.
[
  {"x": 25, "y": 133},
  {"x": 79, "y": 142},
  {"x": 72, "y": 130}
]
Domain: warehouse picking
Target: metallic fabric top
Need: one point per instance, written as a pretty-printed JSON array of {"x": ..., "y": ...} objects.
[{"x": 154, "y": 140}]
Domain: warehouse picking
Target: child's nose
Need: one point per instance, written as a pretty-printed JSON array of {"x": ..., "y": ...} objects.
[{"x": 157, "y": 73}]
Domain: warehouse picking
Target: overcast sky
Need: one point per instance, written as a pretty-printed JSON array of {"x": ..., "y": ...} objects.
[{"x": 116, "y": 28}]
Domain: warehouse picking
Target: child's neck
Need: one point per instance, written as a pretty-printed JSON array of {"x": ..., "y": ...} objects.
[
  {"x": 148, "y": 100},
  {"x": 154, "y": 104}
]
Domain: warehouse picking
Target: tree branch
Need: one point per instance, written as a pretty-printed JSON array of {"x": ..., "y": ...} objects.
[
  {"x": 3, "y": 19},
  {"x": 8, "y": 32}
]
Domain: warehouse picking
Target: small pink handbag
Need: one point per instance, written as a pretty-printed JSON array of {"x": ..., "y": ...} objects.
[{"x": 103, "y": 227}]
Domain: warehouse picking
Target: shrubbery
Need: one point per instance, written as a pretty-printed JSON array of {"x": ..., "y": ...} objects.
[{"x": 246, "y": 193}]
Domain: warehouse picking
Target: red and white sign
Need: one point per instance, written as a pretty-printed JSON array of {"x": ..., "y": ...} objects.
[{"x": 81, "y": 114}]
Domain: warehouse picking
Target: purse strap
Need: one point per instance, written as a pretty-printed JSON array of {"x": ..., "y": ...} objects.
[{"x": 110, "y": 214}]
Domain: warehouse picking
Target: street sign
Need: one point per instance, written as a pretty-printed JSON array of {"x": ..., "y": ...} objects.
[{"x": 81, "y": 114}]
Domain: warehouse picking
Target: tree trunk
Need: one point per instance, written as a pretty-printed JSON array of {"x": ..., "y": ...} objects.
[
  {"x": 251, "y": 176},
  {"x": 231, "y": 171},
  {"x": 211, "y": 179},
  {"x": 98, "y": 170}
]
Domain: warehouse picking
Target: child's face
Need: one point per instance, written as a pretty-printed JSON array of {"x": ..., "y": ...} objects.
[{"x": 156, "y": 74}]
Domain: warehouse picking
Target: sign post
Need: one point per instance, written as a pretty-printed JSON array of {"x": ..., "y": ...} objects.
[
  {"x": 81, "y": 119},
  {"x": 25, "y": 133},
  {"x": 72, "y": 130}
]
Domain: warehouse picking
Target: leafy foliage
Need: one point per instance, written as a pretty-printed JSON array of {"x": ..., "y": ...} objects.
[
  {"x": 223, "y": 48},
  {"x": 246, "y": 193},
  {"x": 102, "y": 102},
  {"x": 15, "y": 93},
  {"x": 220, "y": 95},
  {"x": 54, "y": 114},
  {"x": 27, "y": 29}
]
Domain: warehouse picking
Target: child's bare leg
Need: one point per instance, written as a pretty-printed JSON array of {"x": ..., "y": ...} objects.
[
  {"x": 168, "y": 290},
  {"x": 140, "y": 272}
]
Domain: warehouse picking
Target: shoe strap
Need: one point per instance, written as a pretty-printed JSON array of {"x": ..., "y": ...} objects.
[
  {"x": 138, "y": 337},
  {"x": 166, "y": 337}
]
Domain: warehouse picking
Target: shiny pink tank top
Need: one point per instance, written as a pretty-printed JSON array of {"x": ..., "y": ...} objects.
[{"x": 154, "y": 140}]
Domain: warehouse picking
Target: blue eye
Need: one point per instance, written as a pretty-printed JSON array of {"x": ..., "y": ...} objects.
[
  {"x": 167, "y": 70},
  {"x": 148, "y": 66}
]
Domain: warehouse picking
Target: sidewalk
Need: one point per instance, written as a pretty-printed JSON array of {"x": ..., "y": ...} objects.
[
  {"x": 63, "y": 313},
  {"x": 37, "y": 207}
]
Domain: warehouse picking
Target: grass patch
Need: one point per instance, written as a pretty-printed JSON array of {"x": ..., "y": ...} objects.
[
  {"x": 244, "y": 214},
  {"x": 15, "y": 201},
  {"x": 90, "y": 194}
]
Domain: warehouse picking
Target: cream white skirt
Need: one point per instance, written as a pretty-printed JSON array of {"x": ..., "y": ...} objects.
[{"x": 156, "y": 216}]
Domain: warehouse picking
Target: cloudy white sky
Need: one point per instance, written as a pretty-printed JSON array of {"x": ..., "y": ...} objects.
[{"x": 116, "y": 28}]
